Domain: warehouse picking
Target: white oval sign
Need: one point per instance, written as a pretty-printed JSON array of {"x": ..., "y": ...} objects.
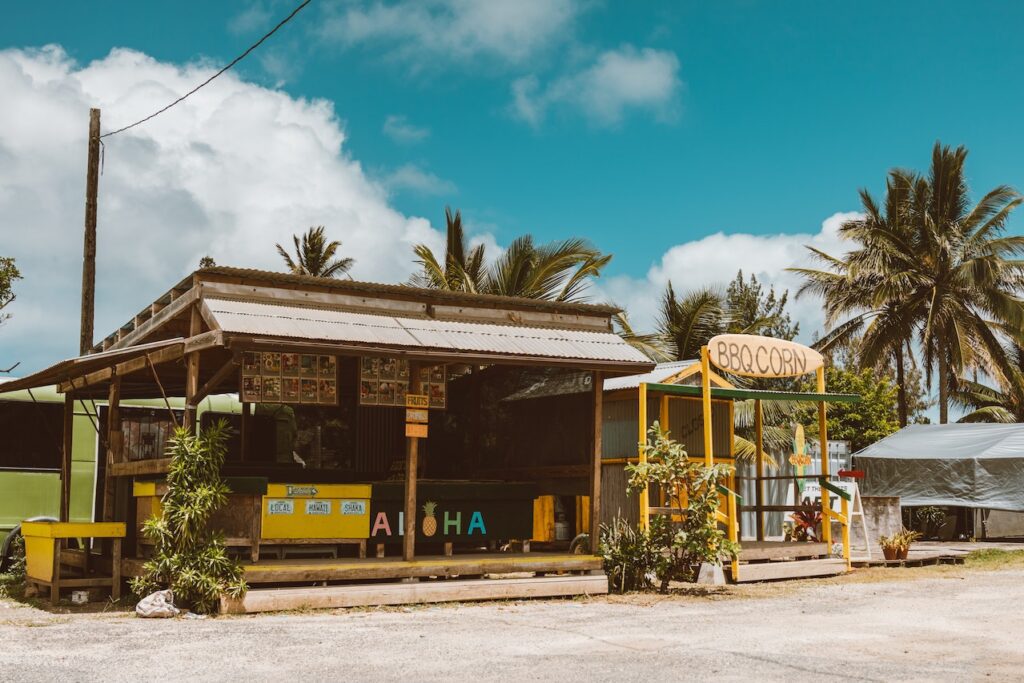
[{"x": 753, "y": 356}]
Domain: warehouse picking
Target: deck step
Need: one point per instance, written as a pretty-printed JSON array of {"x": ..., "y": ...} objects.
[
  {"x": 362, "y": 595},
  {"x": 757, "y": 551},
  {"x": 800, "y": 569}
]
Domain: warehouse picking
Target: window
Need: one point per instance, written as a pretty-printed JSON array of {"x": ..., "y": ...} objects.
[
  {"x": 31, "y": 435},
  {"x": 146, "y": 431}
]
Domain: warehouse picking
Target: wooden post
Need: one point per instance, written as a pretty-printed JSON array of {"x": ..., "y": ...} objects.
[
  {"x": 246, "y": 426},
  {"x": 66, "y": 455},
  {"x": 826, "y": 505},
  {"x": 411, "y": 465},
  {"x": 759, "y": 466},
  {"x": 192, "y": 372},
  {"x": 645, "y": 494},
  {"x": 114, "y": 445},
  {"x": 705, "y": 391},
  {"x": 663, "y": 421},
  {"x": 92, "y": 181},
  {"x": 595, "y": 477}
]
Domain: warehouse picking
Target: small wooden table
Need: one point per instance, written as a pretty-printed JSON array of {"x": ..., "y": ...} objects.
[{"x": 44, "y": 542}]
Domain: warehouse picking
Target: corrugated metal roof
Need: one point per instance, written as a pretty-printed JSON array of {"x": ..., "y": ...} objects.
[
  {"x": 659, "y": 374},
  {"x": 76, "y": 367},
  {"x": 295, "y": 322}
]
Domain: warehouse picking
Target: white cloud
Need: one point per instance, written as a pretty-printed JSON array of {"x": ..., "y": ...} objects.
[
  {"x": 399, "y": 129},
  {"x": 716, "y": 258},
  {"x": 229, "y": 172},
  {"x": 419, "y": 32},
  {"x": 413, "y": 178},
  {"x": 618, "y": 81},
  {"x": 254, "y": 17}
]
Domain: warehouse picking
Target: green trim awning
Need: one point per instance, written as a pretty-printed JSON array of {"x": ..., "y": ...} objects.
[{"x": 744, "y": 394}]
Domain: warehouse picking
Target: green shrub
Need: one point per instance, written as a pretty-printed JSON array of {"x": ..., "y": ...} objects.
[
  {"x": 689, "y": 536},
  {"x": 188, "y": 558},
  {"x": 629, "y": 556}
]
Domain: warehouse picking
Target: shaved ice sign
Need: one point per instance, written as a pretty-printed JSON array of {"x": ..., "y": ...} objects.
[{"x": 750, "y": 355}]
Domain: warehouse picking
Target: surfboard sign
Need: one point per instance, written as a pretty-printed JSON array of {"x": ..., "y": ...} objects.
[{"x": 750, "y": 355}]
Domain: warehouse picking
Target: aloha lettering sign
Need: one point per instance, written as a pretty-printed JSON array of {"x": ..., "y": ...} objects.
[{"x": 749, "y": 355}]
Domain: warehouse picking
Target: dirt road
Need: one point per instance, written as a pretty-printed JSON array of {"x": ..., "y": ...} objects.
[{"x": 934, "y": 623}]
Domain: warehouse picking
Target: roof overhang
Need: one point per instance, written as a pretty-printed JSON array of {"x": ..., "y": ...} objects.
[
  {"x": 75, "y": 368},
  {"x": 745, "y": 394}
]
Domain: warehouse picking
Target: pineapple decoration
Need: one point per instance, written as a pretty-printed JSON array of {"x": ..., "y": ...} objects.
[{"x": 429, "y": 521}]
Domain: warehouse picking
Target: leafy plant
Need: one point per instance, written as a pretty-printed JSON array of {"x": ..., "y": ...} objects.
[
  {"x": 899, "y": 541},
  {"x": 806, "y": 524},
  {"x": 188, "y": 557},
  {"x": 689, "y": 535},
  {"x": 629, "y": 556},
  {"x": 931, "y": 519}
]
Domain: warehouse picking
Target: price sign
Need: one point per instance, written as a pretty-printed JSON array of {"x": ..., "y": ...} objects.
[
  {"x": 418, "y": 431},
  {"x": 418, "y": 415}
]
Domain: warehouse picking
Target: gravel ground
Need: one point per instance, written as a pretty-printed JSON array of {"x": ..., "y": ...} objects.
[{"x": 915, "y": 624}]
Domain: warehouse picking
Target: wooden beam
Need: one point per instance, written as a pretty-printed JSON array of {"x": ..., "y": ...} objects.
[
  {"x": 705, "y": 382},
  {"x": 228, "y": 369},
  {"x": 759, "y": 465},
  {"x": 66, "y": 455},
  {"x": 826, "y": 524},
  {"x": 597, "y": 391},
  {"x": 245, "y": 342},
  {"x": 332, "y": 597},
  {"x": 169, "y": 353},
  {"x": 140, "y": 467},
  {"x": 192, "y": 370},
  {"x": 115, "y": 444},
  {"x": 176, "y": 307},
  {"x": 411, "y": 465}
]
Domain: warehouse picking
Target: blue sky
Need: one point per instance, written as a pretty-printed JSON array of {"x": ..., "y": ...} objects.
[{"x": 648, "y": 128}]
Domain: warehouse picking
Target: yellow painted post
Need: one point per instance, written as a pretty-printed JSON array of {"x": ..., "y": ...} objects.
[
  {"x": 846, "y": 532},
  {"x": 645, "y": 499},
  {"x": 705, "y": 390},
  {"x": 759, "y": 469},
  {"x": 826, "y": 506},
  {"x": 663, "y": 421},
  {"x": 733, "y": 534}
]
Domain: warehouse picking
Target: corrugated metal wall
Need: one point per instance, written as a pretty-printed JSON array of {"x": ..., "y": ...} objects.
[{"x": 686, "y": 424}]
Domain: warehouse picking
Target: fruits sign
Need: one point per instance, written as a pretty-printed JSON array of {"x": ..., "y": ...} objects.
[
  {"x": 417, "y": 401},
  {"x": 750, "y": 355}
]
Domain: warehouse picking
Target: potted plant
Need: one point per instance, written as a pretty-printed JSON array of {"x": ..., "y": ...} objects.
[{"x": 897, "y": 546}]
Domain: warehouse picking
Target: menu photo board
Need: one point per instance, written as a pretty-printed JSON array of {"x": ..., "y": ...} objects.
[
  {"x": 272, "y": 377},
  {"x": 384, "y": 381}
]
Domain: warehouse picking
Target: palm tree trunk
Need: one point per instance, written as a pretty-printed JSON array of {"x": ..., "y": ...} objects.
[
  {"x": 943, "y": 390},
  {"x": 901, "y": 392}
]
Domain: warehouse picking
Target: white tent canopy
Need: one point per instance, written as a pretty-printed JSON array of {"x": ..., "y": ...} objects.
[{"x": 967, "y": 465}]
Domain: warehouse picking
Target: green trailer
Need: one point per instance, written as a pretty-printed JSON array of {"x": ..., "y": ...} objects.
[{"x": 31, "y": 422}]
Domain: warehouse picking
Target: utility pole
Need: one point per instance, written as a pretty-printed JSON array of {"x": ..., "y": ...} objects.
[{"x": 92, "y": 181}]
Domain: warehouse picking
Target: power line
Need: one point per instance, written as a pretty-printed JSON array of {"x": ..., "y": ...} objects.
[{"x": 236, "y": 60}]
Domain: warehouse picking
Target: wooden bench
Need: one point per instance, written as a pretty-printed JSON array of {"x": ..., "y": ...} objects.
[{"x": 44, "y": 543}]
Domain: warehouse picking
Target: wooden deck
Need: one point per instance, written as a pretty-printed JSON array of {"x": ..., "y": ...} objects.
[{"x": 352, "y": 569}]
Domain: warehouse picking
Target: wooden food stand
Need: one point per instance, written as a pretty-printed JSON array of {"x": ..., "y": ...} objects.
[{"x": 372, "y": 416}]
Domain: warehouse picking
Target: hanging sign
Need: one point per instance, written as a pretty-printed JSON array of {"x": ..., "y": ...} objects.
[
  {"x": 750, "y": 355},
  {"x": 417, "y": 401}
]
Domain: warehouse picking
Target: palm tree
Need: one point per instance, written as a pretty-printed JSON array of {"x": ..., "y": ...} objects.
[
  {"x": 314, "y": 255},
  {"x": 558, "y": 271},
  {"x": 967, "y": 276},
  {"x": 463, "y": 268},
  {"x": 995, "y": 404},
  {"x": 879, "y": 325},
  {"x": 932, "y": 268},
  {"x": 689, "y": 321},
  {"x": 651, "y": 345}
]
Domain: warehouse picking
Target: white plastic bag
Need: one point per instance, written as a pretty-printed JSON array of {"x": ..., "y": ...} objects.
[{"x": 159, "y": 605}]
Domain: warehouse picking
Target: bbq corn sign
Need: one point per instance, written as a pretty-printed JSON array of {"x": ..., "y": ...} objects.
[{"x": 749, "y": 355}]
